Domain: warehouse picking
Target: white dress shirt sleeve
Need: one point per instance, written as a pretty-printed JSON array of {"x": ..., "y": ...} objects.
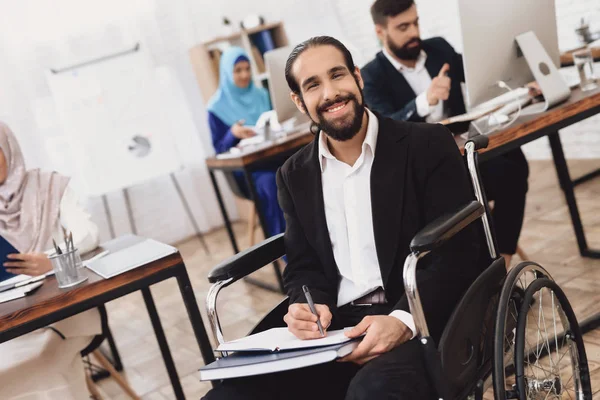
[
  {"x": 407, "y": 320},
  {"x": 423, "y": 107},
  {"x": 74, "y": 218}
]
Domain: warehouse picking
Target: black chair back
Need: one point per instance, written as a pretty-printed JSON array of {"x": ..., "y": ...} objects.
[
  {"x": 235, "y": 186},
  {"x": 466, "y": 345},
  {"x": 98, "y": 339}
]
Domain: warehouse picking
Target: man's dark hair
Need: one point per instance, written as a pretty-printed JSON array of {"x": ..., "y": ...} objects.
[
  {"x": 381, "y": 10},
  {"x": 310, "y": 43}
]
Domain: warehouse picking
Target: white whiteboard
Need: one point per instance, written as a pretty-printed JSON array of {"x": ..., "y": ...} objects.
[{"x": 108, "y": 111}]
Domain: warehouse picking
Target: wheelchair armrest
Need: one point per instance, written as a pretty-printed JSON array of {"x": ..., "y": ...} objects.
[
  {"x": 443, "y": 228},
  {"x": 249, "y": 260},
  {"x": 479, "y": 142}
]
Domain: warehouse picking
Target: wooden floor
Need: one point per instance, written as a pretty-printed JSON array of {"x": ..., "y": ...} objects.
[{"x": 547, "y": 238}]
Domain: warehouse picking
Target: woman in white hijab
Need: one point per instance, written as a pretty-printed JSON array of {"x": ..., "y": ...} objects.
[{"x": 34, "y": 208}]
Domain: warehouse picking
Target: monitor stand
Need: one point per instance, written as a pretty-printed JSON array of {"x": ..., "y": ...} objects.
[{"x": 553, "y": 86}]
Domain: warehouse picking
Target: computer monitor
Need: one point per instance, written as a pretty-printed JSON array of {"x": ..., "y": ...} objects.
[
  {"x": 279, "y": 90},
  {"x": 490, "y": 51}
]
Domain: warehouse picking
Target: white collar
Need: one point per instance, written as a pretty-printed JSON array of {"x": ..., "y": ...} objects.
[
  {"x": 370, "y": 139},
  {"x": 420, "y": 64}
]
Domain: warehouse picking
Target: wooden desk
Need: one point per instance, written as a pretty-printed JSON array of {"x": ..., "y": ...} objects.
[
  {"x": 249, "y": 161},
  {"x": 260, "y": 154},
  {"x": 50, "y": 304},
  {"x": 566, "y": 59},
  {"x": 579, "y": 106}
]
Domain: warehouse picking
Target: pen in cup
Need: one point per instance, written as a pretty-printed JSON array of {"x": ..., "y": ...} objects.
[{"x": 311, "y": 305}]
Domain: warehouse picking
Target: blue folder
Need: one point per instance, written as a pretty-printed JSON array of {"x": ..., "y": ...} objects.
[{"x": 5, "y": 249}]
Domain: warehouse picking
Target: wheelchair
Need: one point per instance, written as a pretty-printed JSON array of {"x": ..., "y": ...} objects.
[{"x": 514, "y": 332}]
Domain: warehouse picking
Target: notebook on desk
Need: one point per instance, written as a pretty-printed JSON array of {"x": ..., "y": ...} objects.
[{"x": 136, "y": 255}]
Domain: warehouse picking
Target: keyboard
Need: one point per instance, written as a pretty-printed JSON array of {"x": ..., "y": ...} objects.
[
  {"x": 495, "y": 105},
  {"x": 505, "y": 98}
]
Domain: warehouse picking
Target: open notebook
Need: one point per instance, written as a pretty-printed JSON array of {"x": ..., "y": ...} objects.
[{"x": 279, "y": 339}]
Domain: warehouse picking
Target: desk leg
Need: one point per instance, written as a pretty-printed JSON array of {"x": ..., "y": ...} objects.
[
  {"x": 566, "y": 184},
  {"x": 188, "y": 210},
  {"x": 162, "y": 343},
  {"x": 191, "y": 305},
  {"x": 263, "y": 224},
  {"x": 223, "y": 211}
]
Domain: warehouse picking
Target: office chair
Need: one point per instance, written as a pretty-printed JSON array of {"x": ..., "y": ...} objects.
[
  {"x": 490, "y": 338},
  {"x": 243, "y": 194}
]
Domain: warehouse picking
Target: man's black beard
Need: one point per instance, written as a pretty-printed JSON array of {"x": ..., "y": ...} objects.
[
  {"x": 405, "y": 52},
  {"x": 347, "y": 131}
]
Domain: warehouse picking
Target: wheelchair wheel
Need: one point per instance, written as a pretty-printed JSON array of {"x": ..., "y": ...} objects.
[
  {"x": 550, "y": 359},
  {"x": 507, "y": 315}
]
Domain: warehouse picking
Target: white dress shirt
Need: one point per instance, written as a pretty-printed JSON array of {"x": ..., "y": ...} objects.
[
  {"x": 347, "y": 200},
  {"x": 419, "y": 80},
  {"x": 74, "y": 218}
]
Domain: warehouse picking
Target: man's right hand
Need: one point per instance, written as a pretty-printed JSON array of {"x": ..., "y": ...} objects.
[
  {"x": 303, "y": 323},
  {"x": 241, "y": 132},
  {"x": 440, "y": 87}
]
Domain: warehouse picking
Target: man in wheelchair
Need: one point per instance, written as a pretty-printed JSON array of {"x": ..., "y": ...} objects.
[{"x": 353, "y": 199}]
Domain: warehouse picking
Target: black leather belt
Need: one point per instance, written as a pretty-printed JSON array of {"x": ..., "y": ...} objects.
[{"x": 375, "y": 297}]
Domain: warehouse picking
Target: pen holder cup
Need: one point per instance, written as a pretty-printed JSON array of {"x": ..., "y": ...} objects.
[{"x": 67, "y": 268}]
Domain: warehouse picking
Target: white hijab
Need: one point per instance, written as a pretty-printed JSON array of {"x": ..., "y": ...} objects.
[{"x": 29, "y": 200}]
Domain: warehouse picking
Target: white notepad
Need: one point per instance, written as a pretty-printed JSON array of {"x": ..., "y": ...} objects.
[
  {"x": 19, "y": 292},
  {"x": 124, "y": 260},
  {"x": 277, "y": 339}
]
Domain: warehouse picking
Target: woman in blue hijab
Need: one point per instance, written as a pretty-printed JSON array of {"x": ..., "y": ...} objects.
[{"x": 236, "y": 103}]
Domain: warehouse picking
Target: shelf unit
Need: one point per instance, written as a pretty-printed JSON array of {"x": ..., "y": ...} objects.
[{"x": 205, "y": 56}]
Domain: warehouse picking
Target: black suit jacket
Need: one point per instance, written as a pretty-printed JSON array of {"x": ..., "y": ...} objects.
[
  {"x": 387, "y": 91},
  {"x": 417, "y": 175}
]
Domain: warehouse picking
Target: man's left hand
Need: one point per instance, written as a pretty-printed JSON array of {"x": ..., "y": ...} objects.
[{"x": 383, "y": 333}]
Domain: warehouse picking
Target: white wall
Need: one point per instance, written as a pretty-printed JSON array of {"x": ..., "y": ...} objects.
[
  {"x": 440, "y": 18},
  {"x": 37, "y": 34}
]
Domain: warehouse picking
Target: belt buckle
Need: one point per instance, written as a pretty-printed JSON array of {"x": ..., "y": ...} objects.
[{"x": 361, "y": 304}]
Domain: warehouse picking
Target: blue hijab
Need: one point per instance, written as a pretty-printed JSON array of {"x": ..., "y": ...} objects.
[{"x": 231, "y": 103}]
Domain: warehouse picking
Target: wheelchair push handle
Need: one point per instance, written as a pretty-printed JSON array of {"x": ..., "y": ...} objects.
[{"x": 480, "y": 142}]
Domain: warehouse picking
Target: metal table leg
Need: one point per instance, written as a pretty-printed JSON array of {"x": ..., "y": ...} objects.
[
  {"x": 263, "y": 224},
  {"x": 223, "y": 211},
  {"x": 566, "y": 184},
  {"x": 162, "y": 343},
  {"x": 191, "y": 305},
  {"x": 129, "y": 211},
  {"x": 188, "y": 210},
  {"x": 586, "y": 177}
]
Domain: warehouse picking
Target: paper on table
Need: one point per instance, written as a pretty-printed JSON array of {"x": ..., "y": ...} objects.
[
  {"x": 19, "y": 292},
  {"x": 276, "y": 339}
]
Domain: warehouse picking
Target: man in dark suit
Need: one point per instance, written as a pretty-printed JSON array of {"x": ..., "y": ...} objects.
[
  {"x": 420, "y": 80},
  {"x": 353, "y": 199}
]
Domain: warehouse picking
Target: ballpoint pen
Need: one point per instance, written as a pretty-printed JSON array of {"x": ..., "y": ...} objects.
[
  {"x": 311, "y": 305},
  {"x": 56, "y": 247}
]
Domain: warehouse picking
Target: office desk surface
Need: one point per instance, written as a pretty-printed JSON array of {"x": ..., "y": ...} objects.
[
  {"x": 276, "y": 148},
  {"x": 50, "y": 303},
  {"x": 566, "y": 58},
  {"x": 579, "y": 106}
]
